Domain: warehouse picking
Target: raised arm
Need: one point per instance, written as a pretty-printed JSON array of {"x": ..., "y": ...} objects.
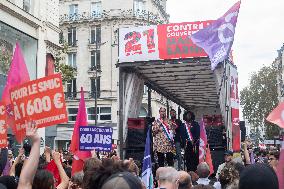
[
  {"x": 63, "y": 176},
  {"x": 3, "y": 159},
  {"x": 31, "y": 164},
  {"x": 18, "y": 159}
]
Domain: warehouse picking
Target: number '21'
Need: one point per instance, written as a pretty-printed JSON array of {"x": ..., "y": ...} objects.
[{"x": 134, "y": 47}]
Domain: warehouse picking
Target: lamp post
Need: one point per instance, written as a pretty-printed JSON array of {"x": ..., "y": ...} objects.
[{"x": 96, "y": 88}]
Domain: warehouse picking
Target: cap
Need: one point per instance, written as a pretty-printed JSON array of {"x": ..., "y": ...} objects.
[
  {"x": 228, "y": 152},
  {"x": 122, "y": 180},
  {"x": 10, "y": 152}
]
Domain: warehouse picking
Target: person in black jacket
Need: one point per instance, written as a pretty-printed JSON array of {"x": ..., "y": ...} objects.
[
  {"x": 178, "y": 138},
  {"x": 192, "y": 132}
]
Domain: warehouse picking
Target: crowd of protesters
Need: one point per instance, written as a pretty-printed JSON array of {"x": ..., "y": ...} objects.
[{"x": 109, "y": 172}]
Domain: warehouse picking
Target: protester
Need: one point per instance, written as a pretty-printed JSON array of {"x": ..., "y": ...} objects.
[
  {"x": 31, "y": 164},
  {"x": 228, "y": 158},
  {"x": 76, "y": 181},
  {"x": 273, "y": 159},
  {"x": 16, "y": 168},
  {"x": 203, "y": 172},
  {"x": 168, "y": 178},
  {"x": 122, "y": 180},
  {"x": 229, "y": 176},
  {"x": 184, "y": 180},
  {"x": 258, "y": 176}
]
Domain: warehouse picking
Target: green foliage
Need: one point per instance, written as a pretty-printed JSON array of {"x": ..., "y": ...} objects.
[
  {"x": 259, "y": 99},
  {"x": 5, "y": 60},
  {"x": 67, "y": 72}
]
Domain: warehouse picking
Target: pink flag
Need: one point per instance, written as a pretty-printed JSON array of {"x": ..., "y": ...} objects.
[
  {"x": 204, "y": 150},
  {"x": 17, "y": 75},
  {"x": 203, "y": 142},
  {"x": 81, "y": 120},
  {"x": 280, "y": 168},
  {"x": 277, "y": 115}
]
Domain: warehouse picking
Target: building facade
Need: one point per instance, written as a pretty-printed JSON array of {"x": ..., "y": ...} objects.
[
  {"x": 90, "y": 28},
  {"x": 35, "y": 26}
]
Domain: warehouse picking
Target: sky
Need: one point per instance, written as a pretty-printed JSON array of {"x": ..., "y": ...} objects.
[{"x": 259, "y": 31}]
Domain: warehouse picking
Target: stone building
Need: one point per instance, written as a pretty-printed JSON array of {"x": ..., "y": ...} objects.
[
  {"x": 34, "y": 25},
  {"x": 90, "y": 28}
]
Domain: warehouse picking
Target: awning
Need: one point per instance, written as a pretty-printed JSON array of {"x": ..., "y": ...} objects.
[{"x": 188, "y": 82}]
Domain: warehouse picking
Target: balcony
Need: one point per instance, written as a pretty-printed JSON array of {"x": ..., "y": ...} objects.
[
  {"x": 113, "y": 14},
  {"x": 76, "y": 95}
]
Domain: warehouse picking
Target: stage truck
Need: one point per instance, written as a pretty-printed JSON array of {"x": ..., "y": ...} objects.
[{"x": 164, "y": 58}]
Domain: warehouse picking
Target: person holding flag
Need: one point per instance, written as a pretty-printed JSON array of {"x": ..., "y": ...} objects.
[
  {"x": 163, "y": 139},
  {"x": 179, "y": 136},
  {"x": 192, "y": 130}
]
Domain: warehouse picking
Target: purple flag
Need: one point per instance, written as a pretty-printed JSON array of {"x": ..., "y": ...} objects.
[{"x": 217, "y": 39}]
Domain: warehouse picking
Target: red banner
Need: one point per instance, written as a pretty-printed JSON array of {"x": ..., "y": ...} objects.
[
  {"x": 3, "y": 127},
  {"x": 174, "y": 40},
  {"x": 40, "y": 100},
  {"x": 160, "y": 42},
  {"x": 234, "y": 96}
]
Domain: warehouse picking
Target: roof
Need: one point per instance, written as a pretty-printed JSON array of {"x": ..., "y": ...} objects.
[{"x": 187, "y": 82}]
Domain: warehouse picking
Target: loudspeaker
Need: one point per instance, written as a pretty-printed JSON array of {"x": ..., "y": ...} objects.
[
  {"x": 214, "y": 136},
  {"x": 217, "y": 155},
  {"x": 136, "y": 135},
  {"x": 243, "y": 129}
]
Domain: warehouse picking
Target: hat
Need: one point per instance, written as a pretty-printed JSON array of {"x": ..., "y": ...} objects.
[
  {"x": 122, "y": 180},
  {"x": 228, "y": 153}
]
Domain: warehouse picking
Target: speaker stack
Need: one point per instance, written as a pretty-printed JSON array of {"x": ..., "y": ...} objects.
[{"x": 216, "y": 138}]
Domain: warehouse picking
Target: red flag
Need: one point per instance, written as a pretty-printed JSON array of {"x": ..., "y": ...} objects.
[
  {"x": 204, "y": 150},
  {"x": 208, "y": 160},
  {"x": 203, "y": 142},
  {"x": 51, "y": 166},
  {"x": 280, "y": 168},
  {"x": 77, "y": 166},
  {"x": 49, "y": 67},
  {"x": 277, "y": 115},
  {"x": 17, "y": 75},
  {"x": 81, "y": 120}
]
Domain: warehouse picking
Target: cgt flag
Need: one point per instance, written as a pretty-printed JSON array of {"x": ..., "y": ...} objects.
[
  {"x": 147, "y": 175},
  {"x": 217, "y": 39},
  {"x": 277, "y": 115}
]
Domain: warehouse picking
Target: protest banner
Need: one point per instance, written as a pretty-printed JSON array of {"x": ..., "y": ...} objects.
[
  {"x": 3, "y": 127},
  {"x": 41, "y": 101},
  {"x": 98, "y": 138},
  {"x": 160, "y": 42}
]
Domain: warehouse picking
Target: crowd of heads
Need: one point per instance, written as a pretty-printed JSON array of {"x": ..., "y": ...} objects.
[{"x": 110, "y": 172}]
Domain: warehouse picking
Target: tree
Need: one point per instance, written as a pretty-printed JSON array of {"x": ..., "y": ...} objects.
[
  {"x": 259, "y": 99},
  {"x": 5, "y": 59},
  {"x": 67, "y": 72}
]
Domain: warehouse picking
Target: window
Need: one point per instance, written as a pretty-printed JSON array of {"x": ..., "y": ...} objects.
[
  {"x": 96, "y": 9},
  {"x": 61, "y": 38},
  {"x": 95, "y": 60},
  {"x": 73, "y": 11},
  {"x": 71, "y": 89},
  {"x": 72, "y": 37},
  {"x": 143, "y": 112},
  {"x": 145, "y": 90},
  {"x": 27, "y": 5},
  {"x": 96, "y": 35},
  {"x": 72, "y": 113},
  {"x": 138, "y": 7},
  {"x": 95, "y": 83},
  {"x": 72, "y": 60},
  {"x": 104, "y": 113}
]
